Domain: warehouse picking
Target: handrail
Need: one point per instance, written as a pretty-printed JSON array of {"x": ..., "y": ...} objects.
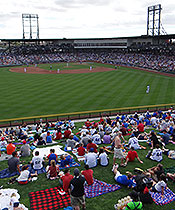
[{"x": 85, "y": 112}]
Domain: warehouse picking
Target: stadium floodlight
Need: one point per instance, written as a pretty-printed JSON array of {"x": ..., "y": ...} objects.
[
  {"x": 30, "y": 24},
  {"x": 154, "y": 25}
]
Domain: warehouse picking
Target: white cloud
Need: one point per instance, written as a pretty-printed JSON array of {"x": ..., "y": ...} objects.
[{"x": 83, "y": 18}]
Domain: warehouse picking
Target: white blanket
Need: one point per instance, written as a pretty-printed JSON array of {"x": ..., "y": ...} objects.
[
  {"x": 46, "y": 151},
  {"x": 5, "y": 198}
]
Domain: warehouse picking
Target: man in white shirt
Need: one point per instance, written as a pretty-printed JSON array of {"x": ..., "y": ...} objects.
[
  {"x": 96, "y": 139},
  {"x": 133, "y": 142},
  {"x": 103, "y": 158},
  {"x": 156, "y": 154},
  {"x": 37, "y": 162},
  {"x": 44, "y": 135},
  {"x": 91, "y": 158}
]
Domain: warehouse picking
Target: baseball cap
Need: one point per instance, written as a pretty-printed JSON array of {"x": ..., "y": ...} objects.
[
  {"x": 91, "y": 150},
  {"x": 24, "y": 142}
]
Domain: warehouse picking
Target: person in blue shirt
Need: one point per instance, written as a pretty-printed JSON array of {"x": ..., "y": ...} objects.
[
  {"x": 52, "y": 156},
  {"x": 123, "y": 179},
  {"x": 48, "y": 138}
]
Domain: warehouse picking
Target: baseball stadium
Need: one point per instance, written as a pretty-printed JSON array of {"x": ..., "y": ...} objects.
[{"x": 58, "y": 91}]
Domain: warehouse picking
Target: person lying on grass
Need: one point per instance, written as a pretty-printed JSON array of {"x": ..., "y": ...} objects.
[
  {"x": 156, "y": 171},
  {"x": 123, "y": 179}
]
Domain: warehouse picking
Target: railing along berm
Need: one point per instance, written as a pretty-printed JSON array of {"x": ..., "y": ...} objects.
[{"x": 83, "y": 114}]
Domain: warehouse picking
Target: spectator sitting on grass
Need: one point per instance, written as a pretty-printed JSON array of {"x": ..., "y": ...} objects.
[
  {"x": 13, "y": 163},
  {"x": 24, "y": 177},
  {"x": 131, "y": 156},
  {"x": 65, "y": 160},
  {"x": 52, "y": 170},
  {"x": 135, "y": 203},
  {"x": 25, "y": 149},
  {"x": 52, "y": 156},
  {"x": 37, "y": 162},
  {"x": 160, "y": 185},
  {"x": 81, "y": 150},
  {"x": 156, "y": 154},
  {"x": 88, "y": 174},
  {"x": 103, "y": 158},
  {"x": 91, "y": 158},
  {"x": 91, "y": 145}
]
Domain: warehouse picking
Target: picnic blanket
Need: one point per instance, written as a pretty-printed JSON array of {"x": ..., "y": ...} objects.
[
  {"x": 6, "y": 173},
  {"x": 72, "y": 164},
  {"x": 168, "y": 197},
  {"x": 49, "y": 199},
  {"x": 4, "y": 156},
  {"x": 5, "y": 198},
  {"x": 99, "y": 188},
  {"x": 45, "y": 151},
  {"x": 79, "y": 158}
]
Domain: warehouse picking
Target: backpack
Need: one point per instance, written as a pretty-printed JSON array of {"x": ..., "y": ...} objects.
[{"x": 136, "y": 207}]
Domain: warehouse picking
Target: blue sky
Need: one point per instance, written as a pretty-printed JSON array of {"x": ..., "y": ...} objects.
[{"x": 83, "y": 18}]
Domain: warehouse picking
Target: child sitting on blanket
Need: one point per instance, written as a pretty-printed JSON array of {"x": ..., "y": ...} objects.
[
  {"x": 160, "y": 185},
  {"x": 52, "y": 170},
  {"x": 65, "y": 160},
  {"x": 24, "y": 175}
]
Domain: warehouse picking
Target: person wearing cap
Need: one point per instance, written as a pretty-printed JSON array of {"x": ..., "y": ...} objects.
[
  {"x": 10, "y": 148},
  {"x": 77, "y": 194},
  {"x": 91, "y": 145},
  {"x": 91, "y": 158},
  {"x": 25, "y": 149}
]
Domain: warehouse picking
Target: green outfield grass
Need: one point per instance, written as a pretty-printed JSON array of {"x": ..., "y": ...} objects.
[{"x": 25, "y": 95}]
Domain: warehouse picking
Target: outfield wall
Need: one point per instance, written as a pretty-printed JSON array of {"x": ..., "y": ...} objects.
[{"x": 83, "y": 114}]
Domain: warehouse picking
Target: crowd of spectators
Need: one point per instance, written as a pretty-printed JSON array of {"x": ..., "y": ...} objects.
[
  {"x": 89, "y": 140},
  {"x": 148, "y": 60}
]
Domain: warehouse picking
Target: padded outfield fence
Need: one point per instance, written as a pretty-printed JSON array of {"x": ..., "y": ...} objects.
[{"x": 83, "y": 114}]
